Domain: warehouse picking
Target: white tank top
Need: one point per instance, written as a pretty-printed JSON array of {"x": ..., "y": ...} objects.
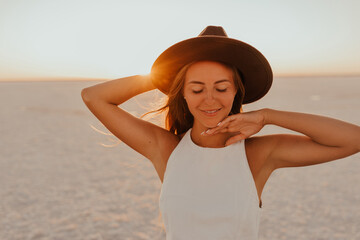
[{"x": 209, "y": 193}]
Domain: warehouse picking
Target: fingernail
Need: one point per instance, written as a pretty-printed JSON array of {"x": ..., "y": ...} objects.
[
  {"x": 218, "y": 124},
  {"x": 207, "y": 131},
  {"x": 202, "y": 133}
]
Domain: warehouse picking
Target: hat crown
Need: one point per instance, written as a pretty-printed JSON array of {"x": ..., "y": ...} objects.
[{"x": 213, "y": 31}]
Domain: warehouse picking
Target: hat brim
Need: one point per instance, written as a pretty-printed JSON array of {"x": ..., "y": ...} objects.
[{"x": 254, "y": 69}]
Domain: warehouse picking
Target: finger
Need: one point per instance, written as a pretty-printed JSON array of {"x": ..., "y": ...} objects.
[
  {"x": 222, "y": 129},
  {"x": 227, "y": 120},
  {"x": 235, "y": 139},
  {"x": 216, "y": 129},
  {"x": 221, "y": 125},
  {"x": 231, "y": 127}
]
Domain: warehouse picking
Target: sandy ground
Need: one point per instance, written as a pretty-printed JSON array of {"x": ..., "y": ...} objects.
[{"x": 58, "y": 182}]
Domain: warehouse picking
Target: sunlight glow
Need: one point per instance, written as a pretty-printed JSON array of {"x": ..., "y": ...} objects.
[{"x": 111, "y": 39}]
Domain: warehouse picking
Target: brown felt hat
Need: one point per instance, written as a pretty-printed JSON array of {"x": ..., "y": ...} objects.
[{"x": 213, "y": 44}]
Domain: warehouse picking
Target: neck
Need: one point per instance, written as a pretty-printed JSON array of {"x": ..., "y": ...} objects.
[{"x": 214, "y": 141}]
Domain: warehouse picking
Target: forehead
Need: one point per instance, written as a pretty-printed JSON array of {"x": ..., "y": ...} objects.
[{"x": 208, "y": 72}]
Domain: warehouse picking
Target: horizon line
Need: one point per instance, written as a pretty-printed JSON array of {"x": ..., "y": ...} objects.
[{"x": 67, "y": 78}]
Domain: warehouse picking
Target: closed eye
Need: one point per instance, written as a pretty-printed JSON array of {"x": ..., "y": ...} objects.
[
  {"x": 221, "y": 90},
  {"x": 199, "y": 91}
]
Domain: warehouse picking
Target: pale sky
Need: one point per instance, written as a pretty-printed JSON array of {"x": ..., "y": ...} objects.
[{"x": 114, "y": 38}]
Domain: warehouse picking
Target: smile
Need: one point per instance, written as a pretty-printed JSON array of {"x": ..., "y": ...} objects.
[{"x": 211, "y": 112}]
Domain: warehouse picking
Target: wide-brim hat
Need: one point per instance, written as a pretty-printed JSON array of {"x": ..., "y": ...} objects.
[{"x": 213, "y": 44}]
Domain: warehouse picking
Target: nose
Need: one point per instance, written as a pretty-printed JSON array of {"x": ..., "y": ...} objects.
[{"x": 209, "y": 98}]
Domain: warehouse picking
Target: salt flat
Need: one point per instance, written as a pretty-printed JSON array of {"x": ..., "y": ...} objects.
[{"x": 58, "y": 181}]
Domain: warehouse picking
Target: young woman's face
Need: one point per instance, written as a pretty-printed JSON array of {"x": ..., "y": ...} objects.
[{"x": 209, "y": 91}]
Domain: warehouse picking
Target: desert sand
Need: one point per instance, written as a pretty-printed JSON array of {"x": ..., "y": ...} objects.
[{"x": 60, "y": 180}]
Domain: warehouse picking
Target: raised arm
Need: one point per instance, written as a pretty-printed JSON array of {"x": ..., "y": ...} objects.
[
  {"x": 152, "y": 141},
  {"x": 324, "y": 138},
  {"x": 117, "y": 91}
]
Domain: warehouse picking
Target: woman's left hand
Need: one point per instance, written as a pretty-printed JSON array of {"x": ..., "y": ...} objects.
[{"x": 243, "y": 124}]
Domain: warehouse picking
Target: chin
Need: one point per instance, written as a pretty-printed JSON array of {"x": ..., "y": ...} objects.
[{"x": 212, "y": 123}]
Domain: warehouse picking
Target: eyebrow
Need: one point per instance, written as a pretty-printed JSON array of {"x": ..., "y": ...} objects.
[{"x": 219, "y": 81}]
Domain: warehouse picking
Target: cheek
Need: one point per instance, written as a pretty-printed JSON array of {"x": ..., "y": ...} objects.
[
  {"x": 231, "y": 101},
  {"x": 193, "y": 102},
  {"x": 228, "y": 100}
]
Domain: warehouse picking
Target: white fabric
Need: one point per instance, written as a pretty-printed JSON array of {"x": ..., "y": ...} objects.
[{"x": 209, "y": 193}]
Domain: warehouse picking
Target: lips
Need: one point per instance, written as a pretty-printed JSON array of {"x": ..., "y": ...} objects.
[{"x": 211, "y": 112}]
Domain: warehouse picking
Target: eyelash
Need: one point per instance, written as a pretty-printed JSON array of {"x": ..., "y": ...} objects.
[
  {"x": 222, "y": 90},
  {"x": 219, "y": 90}
]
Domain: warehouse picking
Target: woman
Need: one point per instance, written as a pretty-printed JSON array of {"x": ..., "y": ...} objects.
[{"x": 212, "y": 169}]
